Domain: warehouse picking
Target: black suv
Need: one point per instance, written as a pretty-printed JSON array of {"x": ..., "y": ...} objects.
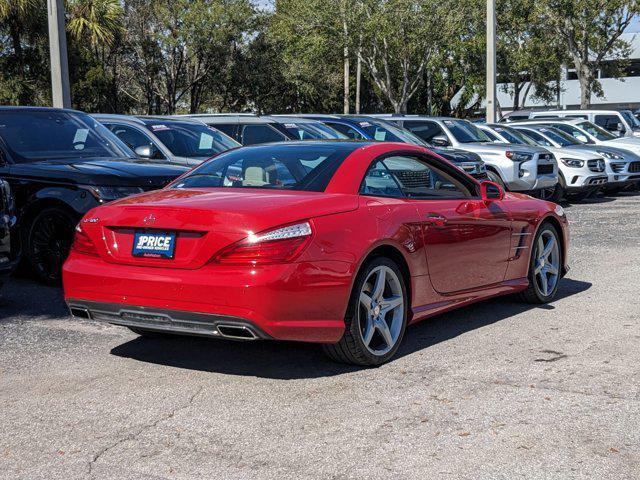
[
  {"x": 9, "y": 247},
  {"x": 60, "y": 164}
]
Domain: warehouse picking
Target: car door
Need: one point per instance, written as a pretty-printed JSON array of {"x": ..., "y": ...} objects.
[{"x": 467, "y": 240}]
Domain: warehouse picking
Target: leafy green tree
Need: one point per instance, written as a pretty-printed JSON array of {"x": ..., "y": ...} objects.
[
  {"x": 591, "y": 31},
  {"x": 400, "y": 40},
  {"x": 529, "y": 54}
]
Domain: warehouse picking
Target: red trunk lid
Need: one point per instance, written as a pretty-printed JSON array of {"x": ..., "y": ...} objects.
[{"x": 204, "y": 220}]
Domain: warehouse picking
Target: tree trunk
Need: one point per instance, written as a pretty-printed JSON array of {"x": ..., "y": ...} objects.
[{"x": 585, "y": 77}]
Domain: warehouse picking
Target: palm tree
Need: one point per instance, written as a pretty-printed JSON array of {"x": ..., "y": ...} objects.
[{"x": 99, "y": 21}]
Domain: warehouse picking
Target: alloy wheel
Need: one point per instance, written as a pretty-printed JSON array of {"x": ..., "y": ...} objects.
[
  {"x": 547, "y": 263},
  {"x": 381, "y": 310},
  {"x": 50, "y": 239}
]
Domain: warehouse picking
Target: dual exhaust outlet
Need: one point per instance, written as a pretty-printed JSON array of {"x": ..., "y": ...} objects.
[{"x": 224, "y": 330}]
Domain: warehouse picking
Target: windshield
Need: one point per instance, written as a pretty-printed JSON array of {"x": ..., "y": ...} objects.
[
  {"x": 32, "y": 135},
  {"x": 631, "y": 119},
  {"x": 573, "y": 132},
  {"x": 276, "y": 167},
  {"x": 329, "y": 132},
  {"x": 466, "y": 132},
  {"x": 386, "y": 132},
  {"x": 191, "y": 140},
  {"x": 595, "y": 131},
  {"x": 559, "y": 137},
  {"x": 308, "y": 131}
]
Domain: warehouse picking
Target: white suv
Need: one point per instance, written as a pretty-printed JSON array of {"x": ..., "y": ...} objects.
[
  {"x": 622, "y": 159},
  {"x": 520, "y": 168},
  {"x": 582, "y": 171}
]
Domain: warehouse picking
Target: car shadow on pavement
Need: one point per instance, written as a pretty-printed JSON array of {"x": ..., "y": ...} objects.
[
  {"x": 287, "y": 360},
  {"x": 24, "y": 298}
]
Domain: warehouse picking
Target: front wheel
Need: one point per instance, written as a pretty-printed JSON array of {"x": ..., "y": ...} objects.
[
  {"x": 544, "y": 267},
  {"x": 49, "y": 238},
  {"x": 376, "y": 316}
]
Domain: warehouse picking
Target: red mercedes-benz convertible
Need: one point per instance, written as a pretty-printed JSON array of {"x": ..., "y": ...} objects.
[{"x": 340, "y": 243}]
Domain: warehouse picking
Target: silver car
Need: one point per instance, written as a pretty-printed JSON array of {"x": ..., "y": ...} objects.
[
  {"x": 183, "y": 141},
  {"x": 519, "y": 168}
]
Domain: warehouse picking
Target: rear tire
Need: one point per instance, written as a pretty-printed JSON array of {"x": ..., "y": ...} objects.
[
  {"x": 376, "y": 316},
  {"x": 546, "y": 258}
]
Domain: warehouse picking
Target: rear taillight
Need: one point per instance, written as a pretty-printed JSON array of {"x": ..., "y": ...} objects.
[
  {"x": 280, "y": 245},
  {"x": 82, "y": 243}
]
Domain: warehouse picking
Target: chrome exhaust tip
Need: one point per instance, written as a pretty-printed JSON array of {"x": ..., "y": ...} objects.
[
  {"x": 236, "y": 332},
  {"x": 79, "y": 312}
]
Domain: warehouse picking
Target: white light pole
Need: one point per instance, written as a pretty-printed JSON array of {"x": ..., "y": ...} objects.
[
  {"x": 60, "y": 92},
  {"x": 491, "y": 61}
]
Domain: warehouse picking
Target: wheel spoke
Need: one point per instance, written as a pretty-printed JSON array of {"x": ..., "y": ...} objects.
[
  {"x": 538, "y": 268},
  {"x": 378, "y": 288},
  {"x": 551, "y": 268},
  {"x": 383, "y": 328},
  {"x": 369, "y": 330},
  {"x": 549, "y": 248},
  {"x": 540, "y": 247},
  {"x": 365, "y": 301},
  {"x": 544, "y": 286},
  {"x": 391, "y": 303}
]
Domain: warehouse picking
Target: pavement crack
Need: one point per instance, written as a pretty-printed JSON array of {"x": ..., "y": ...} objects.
[
  {"x": 556, "y": 356},
  {"x": 142, "y": 429}
]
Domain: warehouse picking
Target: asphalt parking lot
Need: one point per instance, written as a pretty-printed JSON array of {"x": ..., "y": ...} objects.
[{"x": 496, "y": 390}]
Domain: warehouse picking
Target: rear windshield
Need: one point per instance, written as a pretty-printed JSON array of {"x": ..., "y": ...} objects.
[
  {"x": 191, "y": 140},
  {"x": 57, "y": 135},
  {"x": 279, "y": 167}
]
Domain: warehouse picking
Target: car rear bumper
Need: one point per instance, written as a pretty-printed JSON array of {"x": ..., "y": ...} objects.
[{"x": 299, "y": 301}]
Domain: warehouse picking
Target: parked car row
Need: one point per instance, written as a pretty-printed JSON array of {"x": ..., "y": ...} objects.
[
  {"x": 365, "y": 211},
  {"x": 77, "y": 161}
]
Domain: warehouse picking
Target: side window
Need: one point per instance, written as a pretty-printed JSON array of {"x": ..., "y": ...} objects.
[
  {"x": 346, "y": 130},
  {"x": 379, "y": 182},
  {"x": 584, "y": 117},
  {"x": 408, "y": 177},
  {"x": 417, "y": 179},
  {"x": 255, "y": 134},
  {"x": 131, "y": 136},
  {"x": 491, "y": 135},
  {"x": 229, "y": 129},
  {"x": 609, "y": 122},
  {"x": 425, "y": 130}
]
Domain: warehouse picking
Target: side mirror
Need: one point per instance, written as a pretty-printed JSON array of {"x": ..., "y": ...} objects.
[
  {"x": 440, "y": 141},
  {"x": 490, "y": 191},
  {"x": 582, "y": 138},
  {"x": 145, "y": 151}
]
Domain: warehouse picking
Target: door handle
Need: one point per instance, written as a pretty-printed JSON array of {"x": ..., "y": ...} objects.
[{"x": 435, "y": 220}]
